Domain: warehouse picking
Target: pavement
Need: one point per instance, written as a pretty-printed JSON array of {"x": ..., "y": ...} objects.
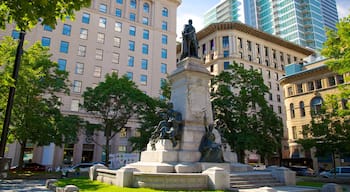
[{"x": 21, "y": 185}]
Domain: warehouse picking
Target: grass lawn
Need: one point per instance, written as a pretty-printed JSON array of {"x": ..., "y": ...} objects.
[
  {"x": 86, "y": 185},
  {"x": 310, "y": 183}
]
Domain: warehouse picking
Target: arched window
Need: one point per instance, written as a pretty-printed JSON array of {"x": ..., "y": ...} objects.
[
  {"x": 292, "y": 112},
  {"x": 316, "y": 104},
  {"x": 146, "y": 7},
  {"x": 165, "y": 12},
  {"x": 302, "y": 108}
]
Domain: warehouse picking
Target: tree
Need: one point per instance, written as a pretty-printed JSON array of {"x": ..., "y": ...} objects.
[
  {"x": 113, "y": 103},
  {"x": 150, "y": 119},
  {"x": 337, "y": 49},
  {"x": 36, "y": 116},
  {"x": 26, "y": 14},
  {"x": 239, "y": 101},
  {"x": 328, "y": 131}
]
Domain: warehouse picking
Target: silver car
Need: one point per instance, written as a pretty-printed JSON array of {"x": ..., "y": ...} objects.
[{"x": 338, "y": 172}]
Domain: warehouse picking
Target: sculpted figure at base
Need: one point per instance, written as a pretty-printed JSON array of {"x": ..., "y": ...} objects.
[
  {"x": 189, "y": 41},
  {"x": 168, "y": 128},
  {"x": 210, "y": 150}
]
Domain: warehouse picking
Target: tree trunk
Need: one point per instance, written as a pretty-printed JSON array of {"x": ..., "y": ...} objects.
[{"x": 21, "y": 155}]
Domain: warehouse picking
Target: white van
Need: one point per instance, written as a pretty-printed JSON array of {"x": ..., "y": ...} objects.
[{"x": 340, "y": 172}]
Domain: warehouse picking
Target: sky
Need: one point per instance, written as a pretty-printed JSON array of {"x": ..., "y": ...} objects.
[{"x": 195, "y": 9}]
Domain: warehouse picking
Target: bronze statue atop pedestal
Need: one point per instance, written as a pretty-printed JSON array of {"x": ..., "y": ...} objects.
[{"x": 189, "y": 41}]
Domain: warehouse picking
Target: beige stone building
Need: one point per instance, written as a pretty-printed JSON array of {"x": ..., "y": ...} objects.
[
  {"x": 136, "y": 38},
  {"x": 222, "y": 43},
  {"x": 305, "y": 88}
]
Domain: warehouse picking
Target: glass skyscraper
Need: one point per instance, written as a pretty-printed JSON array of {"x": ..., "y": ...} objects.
[{"x": 299, "y": 21}]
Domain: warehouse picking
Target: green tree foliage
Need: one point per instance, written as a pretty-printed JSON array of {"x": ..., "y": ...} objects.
[
  {"x": 26, "y": 14},
  {"x": 36, "y": 116},
  {"x": 113, "y": 102},
  {"x": 239, "y": 101},
  {"x": 328, "y": 131},
  {"x": 337, "y": 49},
  {"x": 150, "y": 119}
]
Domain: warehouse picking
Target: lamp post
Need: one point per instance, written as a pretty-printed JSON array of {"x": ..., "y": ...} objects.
[{"x": 5, "y": 128}]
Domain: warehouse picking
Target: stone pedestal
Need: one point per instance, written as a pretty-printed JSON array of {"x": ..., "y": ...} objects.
[{"x": 190, "y": 96}]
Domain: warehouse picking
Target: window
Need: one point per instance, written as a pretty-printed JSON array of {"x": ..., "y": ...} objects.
[
  {"x": 227, "y": 53},
  {"x": 163, "y": 68},
  {"x": 129, "y": 75},
  {"x": 279, "y": 109},
  {"x": 146, "y": 7},
  {"x": 288, "y": 59},
  {"x": 340, "y": 79},
  {"x": 143, "y": 79},
  {"x": 133, "y": 4},
  {"x": 310, "y": 85},
  {"x": 82, "y": 50},
  {"x": 121, "y": 148},
  {"x": 277, "y": 87},
  {"x": 76, "y": 86},
  {"x": 164, "y": 25},
  {"x": 100, "y": 38},
  {"x": 270, "y": 97},
  {"x": 273, "y": 54},
  {"x": 266, "y": 51},
  {"x": 249, "y": 45},
  {"x": 99, "y": 54},
  {"x": 66, "y": 29},
  {"x": 47, "y": 28},
  {"x": 118, "y": 12},
  {"x": 212, "y": 45},
  {"x": 116, "y": 41},
  {"x": 145, "y": 49},
  {"x": 318, "y": 83},
  {"x": 132, "y": 45},
  {"x": 164, "y": 39},
  {"x": 45, "y": 41},
  {"x": 240, "y": 42},
  {"x": 103, "y": 8},
  {"x": 302, "y": 108},
  {"x": 241, "y": 54},
  {"x": 85, "y": 18},
  {"x": 331, "y": 81},
  {"x": 123, "y": 132},
  {"x": 83, "y": 33},
  {"x": 269, "y": 85},
  {"x": 258, "y": 48},
  {"x": 281, "y": 56},
  {"x": 79, "y": 68},
  {"x": 115, "y": 58},
  {"x": 225, "y": 42},
  {"x": 292, "y": 112},
  {"x": 132, "y": 17},
  {"x": 299, "y": 88},
  {"x": 119, "y": 1},
  {"x": 102, "y": 22},
  {"x": 131, "y": 61},
  {"x": 295, "y": 133},
  {"x": 97, "y": 71},
  {"x": 118, "y": 27},
  {"x": 204, "y": 49},
  {"x": 316, "y": 104},
  {"x": 267, "y": 62},
  {"x": 226, "y": 65},
  {"x": 145, "y": 20},
  {"x": 165, "y": 12},
  {"x": 144, "y": 64},
  {"x": 64, "y": 46},
  {"x": 62, "y": 64},
  {"x": 145, "y": 34},
  {"x": 269, "y": 74},
  {"x": 74, "y": 106},
  {"x": 290, "y": 91},
  {"x": 278, "y": 98},
  {"x": 164, "y": 53},
  {"x": 132, "y": 30}
]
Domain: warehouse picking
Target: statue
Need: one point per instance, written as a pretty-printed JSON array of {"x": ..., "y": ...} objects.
[
  {"x": 168, "y": 128},
  {"x": 189, "y": 41},
  {"x": 210, "y": 150}
]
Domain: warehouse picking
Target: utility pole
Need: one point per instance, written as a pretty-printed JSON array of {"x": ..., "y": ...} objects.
[{"x": 5, "y": 128}]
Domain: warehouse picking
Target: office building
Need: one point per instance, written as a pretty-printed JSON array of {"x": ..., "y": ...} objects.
[
  {"x": 306, "y": 86},
  {"x": 222, "y": 43},
  {"x": 129, "y": 37},
  {"x": 302, "y": 22}
]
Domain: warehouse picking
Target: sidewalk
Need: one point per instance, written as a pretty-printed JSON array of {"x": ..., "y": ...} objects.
[{"x": 22, "y": 185}]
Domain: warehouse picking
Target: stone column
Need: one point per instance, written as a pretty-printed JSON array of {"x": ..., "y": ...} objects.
[{"x": 190, "y": 96}]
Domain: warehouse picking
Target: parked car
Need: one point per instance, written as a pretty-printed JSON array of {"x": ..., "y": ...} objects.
[
  {"x": 80, "y": 167},
  {"x": 338, "y": 172},
  {"x": 302, "y": 170},
  {"x": 34, "y": 167}
]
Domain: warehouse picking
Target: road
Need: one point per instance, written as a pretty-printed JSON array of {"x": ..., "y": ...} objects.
[{"x": 17, "y": 185}]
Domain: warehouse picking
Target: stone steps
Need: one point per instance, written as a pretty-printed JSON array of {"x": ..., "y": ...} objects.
[{"x": 251, "y": 180}]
